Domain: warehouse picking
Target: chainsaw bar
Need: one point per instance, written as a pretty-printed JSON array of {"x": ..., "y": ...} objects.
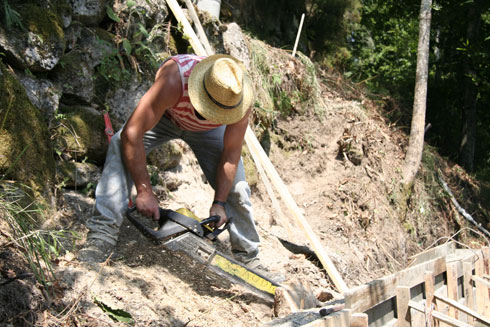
[{"x": 184, "y": 235}]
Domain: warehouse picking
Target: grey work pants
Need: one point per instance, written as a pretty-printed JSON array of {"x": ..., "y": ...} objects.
[{"x": 114, "y": 187}]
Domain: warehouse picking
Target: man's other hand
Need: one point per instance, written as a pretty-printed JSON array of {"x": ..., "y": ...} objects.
[
  {"x": 147, "y": 204},
  {"x": 218, "y": 210}
]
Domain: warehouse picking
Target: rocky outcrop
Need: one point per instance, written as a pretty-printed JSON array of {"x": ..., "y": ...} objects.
[{"x": 26, "y": 154}]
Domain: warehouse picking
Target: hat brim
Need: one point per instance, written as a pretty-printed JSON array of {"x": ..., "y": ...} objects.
[{"x": 205, "y": 106}]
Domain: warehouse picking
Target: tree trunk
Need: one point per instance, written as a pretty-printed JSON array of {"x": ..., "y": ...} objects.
[
  {"x": 468, "y": 132},
  {"x": 416, "y": 143}
]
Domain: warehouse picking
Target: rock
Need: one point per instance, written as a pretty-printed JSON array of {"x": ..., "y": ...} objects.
[
  {"x": 39, "y": 45},
  {"x": 75, "y": 74},
  {"x": 25, "y": 151},
  {"x": 76, "y": 174},
  {"x": 89, "y": 12},
  {"x": 235, "y": 44},
  {"x": 167, "y": 156},
  {"x": 80, "y": 135},
  {"x": 122, "y": 101},
  {"x": 42, "y": 93}
]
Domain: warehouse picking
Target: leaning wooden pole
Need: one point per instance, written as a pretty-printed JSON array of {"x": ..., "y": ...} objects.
[
  {"x": 254, "y": 146},
  {"x": 257, "y": 150}
]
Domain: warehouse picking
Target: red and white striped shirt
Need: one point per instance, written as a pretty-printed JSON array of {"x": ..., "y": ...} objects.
[{"x": 183, "y": 114}]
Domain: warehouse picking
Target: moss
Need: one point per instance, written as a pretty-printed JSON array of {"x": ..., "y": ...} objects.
[
  {"x": 44, "y": 22},
  {"x": 81, "y": 134},
  {"x": 26, "y": 155}
]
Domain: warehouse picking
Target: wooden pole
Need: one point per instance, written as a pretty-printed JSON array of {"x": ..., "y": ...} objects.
[
  {"x": 193, "y": 39},
  {"x": 254, "y": 146},
  {"x": 200, "y": 30},
  {"x": 282, "y": 219},
  {"x": 297, "y": 35}
]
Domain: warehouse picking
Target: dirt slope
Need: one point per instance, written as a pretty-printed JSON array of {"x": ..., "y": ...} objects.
[{"x": 341, "y": 168}]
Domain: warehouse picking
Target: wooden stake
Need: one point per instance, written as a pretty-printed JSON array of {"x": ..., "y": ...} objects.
[
  {"x": 468, "y": 288},
  {"x": 297, "y": 35},
  {"x": 429, "y": 296},
  {"x": 452, "y": 287},
  {"x": 359, "y": 320},
  {"x": 402, "y": 299},
  {"x": 481, "y": 290}
]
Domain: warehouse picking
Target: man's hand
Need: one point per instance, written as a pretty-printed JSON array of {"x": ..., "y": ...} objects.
[
  {"x": 218, "y": 210},
  {"x": 147, "y": 204}
]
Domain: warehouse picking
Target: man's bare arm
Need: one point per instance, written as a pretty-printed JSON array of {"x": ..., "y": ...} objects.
[
  {"x": 227, "y": 167},
  {"x": 163, "y": 94}
]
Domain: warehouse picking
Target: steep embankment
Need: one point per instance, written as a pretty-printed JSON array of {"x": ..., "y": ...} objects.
[{"x": 337, "y": 156}]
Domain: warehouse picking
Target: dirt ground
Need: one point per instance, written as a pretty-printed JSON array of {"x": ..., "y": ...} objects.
[{"x": 341, "y": 169}]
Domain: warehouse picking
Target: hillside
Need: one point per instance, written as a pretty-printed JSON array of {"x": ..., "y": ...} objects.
[{"x": 340, "y": 160}]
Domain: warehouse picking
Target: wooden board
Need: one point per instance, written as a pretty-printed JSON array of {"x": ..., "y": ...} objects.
[
  {"x": 370, "y": 294},
  {"x": 431, "y": 254},
  {"x": 402, "y": 299},
  {"x": 465, "y": 309},
  {"x": 439, "y": 316}
]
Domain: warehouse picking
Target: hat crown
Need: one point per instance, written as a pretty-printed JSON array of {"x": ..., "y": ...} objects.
[{"x": 224, "y": 82}]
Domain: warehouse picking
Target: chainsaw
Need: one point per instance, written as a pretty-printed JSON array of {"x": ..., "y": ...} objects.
[{"x": 182, "y": 232}]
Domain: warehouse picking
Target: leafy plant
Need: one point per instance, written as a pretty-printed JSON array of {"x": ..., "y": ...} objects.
[{"x": 10, "y": 16}]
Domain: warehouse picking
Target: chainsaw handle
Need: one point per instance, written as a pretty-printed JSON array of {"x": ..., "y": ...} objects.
[{"x": 212, "y": 219}]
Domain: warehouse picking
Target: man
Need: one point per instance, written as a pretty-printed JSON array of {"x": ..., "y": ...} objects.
[{"x": 206, "y": 102}]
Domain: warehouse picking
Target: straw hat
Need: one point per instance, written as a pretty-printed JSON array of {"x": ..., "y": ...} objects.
[{"x": 220, "y": 89}]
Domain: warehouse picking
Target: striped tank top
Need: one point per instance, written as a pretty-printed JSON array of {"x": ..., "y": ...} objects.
[{"x": 183, "y": 114}]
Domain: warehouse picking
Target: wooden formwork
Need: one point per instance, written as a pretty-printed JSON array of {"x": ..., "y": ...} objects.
[{"x": 442, "y": 287}]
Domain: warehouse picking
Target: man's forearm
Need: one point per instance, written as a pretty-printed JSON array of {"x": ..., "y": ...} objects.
[
  {"x": 134, "y": 157},
  {"x": 224, "y": 178}
]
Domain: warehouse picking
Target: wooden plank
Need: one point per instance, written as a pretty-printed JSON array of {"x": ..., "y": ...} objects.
[
  {"x": 486, "y": 268},
  {"x": 452, "y": 287},
  {"x": 481, "y": 290},
  {"x": 464, "y": 309},
  {"x": 439, "y": 316},
  {"x": 468, "y": 294},
  {"x": 483, "y": 282},
  {"x": 254, "y": 146},
  {"x": 402, "y": 299},
  {"x": 417, "y": 318},
  {"x": 368, "y": 295},
  {"x": 187, "y": 28},
  {"x": 200, "y": 30},
  {"x": 336, "y": 319},
  {"x": 436, "y": 252},
  {"x": 283, "y": 221},
  {"x": 429, "y": 294},
  {"x": 359, "y": 320}
]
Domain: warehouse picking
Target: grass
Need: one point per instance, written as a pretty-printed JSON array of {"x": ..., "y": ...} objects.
[{"x": 39, "y": 247}]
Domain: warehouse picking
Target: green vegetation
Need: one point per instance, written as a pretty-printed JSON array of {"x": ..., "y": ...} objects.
[{"x": 39, "y": 247}]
